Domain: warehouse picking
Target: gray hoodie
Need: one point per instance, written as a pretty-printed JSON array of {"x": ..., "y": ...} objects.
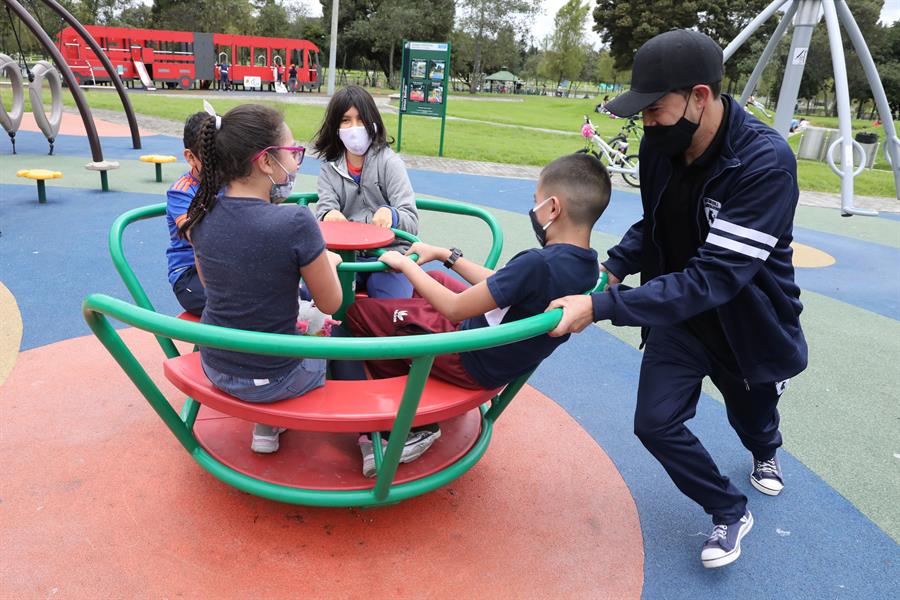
[{"x": 383, "y": 182}]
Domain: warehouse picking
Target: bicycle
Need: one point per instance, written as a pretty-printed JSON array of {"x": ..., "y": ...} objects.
[{"x": 614, "y": 154}]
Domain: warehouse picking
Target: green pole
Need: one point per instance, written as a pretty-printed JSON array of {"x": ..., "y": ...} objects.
[
  {"x": 443, "y": 121},
  {"x": 444, "y": 99},
  {"x": 42, "y": 192},
  {"x": 104, "y": 181},
  {"x": 158, "y": 172},
  {"x": 400, "y": 123}
]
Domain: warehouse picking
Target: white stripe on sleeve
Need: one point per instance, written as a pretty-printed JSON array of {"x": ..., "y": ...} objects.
[
  {"x": 745, "y": 232},
  {"x": 740, "y": 247}
]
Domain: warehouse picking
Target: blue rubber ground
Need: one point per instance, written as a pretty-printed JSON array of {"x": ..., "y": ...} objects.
[{"x": 810, "y": 542}]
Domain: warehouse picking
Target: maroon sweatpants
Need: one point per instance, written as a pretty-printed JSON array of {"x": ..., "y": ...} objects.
[{"x": 379, "y": 317}]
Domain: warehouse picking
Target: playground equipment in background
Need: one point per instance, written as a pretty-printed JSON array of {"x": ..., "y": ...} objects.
[
  {"x": 62, "y": 69},
  {"x": 11, "y": 120},
  {"x": 326, "y": 422},
  {"x": 158, "y": 160},
  {"x": 186, "y": 59},
  {"x": 40, "y": 175},
  {"x": 614, "y": 154},
  {"x": 805, "y": 15}
]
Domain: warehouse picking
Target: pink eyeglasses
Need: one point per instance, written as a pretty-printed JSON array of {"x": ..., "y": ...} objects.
[{"x": 298, "y": 152}]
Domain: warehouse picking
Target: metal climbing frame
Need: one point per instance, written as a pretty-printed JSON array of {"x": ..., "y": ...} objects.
[{"x": 805, "y": 15}]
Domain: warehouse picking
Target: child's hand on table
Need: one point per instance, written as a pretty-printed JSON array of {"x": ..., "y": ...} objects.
[{"x": 383, "y": 217}]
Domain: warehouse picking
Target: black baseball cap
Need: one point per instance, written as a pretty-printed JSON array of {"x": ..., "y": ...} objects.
[{"x": 671, "y": 61}]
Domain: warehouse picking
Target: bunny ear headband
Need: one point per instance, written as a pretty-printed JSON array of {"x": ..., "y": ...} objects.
[{"x": 211, "y": 111}]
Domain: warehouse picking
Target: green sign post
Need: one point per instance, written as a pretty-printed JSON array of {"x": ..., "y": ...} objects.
[{"x": 424, "y": 79}]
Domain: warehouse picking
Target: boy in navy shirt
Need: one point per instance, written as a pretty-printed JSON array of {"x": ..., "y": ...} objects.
[
  {"x": 572, "y": 193},
  {"x": 180, "y": 255}
]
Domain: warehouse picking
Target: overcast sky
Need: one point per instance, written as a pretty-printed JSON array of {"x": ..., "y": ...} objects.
[{"x": 543, "y": 26}]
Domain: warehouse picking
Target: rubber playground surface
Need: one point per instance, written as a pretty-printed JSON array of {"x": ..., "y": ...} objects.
[{"x": 98, "y": 500}]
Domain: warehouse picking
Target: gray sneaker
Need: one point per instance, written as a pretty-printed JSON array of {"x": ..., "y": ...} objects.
[
  {"x": 265, "y": 438},
  {"x": 766, "y": 476},
  {"x": 367, "y": 449},
  {"x": 417, "y": 442},
  {"x": 723, "y": 546}
]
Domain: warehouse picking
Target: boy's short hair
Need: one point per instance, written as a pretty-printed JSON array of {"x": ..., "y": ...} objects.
[
  {"x": 191, "y": 135},
  {"x": 582, "y": 182}
]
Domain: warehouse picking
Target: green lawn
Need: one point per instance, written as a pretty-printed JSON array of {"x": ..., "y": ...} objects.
[{"x": 496, "y": 143}]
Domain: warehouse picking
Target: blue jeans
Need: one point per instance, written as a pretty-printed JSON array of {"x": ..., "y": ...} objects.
[
  {"x": 306, "y": 376},
  {"x": 384, "y": 284}
]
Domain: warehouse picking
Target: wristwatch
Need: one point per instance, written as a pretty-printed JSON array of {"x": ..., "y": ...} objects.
[{"x": 455, "y": 255}]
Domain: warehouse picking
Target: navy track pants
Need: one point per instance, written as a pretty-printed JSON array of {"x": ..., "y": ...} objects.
[{"x": 674, "y": 365}]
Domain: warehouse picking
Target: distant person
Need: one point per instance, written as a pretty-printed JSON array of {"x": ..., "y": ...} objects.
[
  {"x": 292, "y": 78},
  {"x": 223, "y": 72}
]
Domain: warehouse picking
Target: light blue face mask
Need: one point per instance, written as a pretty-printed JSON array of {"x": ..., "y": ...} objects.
[{"x": 279, "y": 192}]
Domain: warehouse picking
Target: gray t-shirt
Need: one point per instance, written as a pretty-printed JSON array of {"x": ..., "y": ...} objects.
[{"x": 250, "y": 253}]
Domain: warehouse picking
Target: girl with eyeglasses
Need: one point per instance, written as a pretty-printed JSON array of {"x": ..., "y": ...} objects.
[
  {"x": 363, "y": 180},
  {"x": 251, "y": 255}
]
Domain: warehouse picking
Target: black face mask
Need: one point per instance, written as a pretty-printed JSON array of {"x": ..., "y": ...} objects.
[
  {"x": 673, "y": 140},
  {"x": 540, "y": 231}
]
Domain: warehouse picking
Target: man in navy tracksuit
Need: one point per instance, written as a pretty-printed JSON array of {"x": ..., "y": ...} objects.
[{"x": 717, "y": 295}]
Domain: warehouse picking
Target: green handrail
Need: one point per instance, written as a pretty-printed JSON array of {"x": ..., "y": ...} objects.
[
  {"x": 421, "y": 349},
  {"x": 300, "y": 346}
]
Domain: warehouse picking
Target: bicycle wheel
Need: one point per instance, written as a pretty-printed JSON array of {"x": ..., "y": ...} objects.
[{"x": 632, "y": 178}]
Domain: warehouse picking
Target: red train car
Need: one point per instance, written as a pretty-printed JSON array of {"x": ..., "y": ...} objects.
[{"x": 188, "y": 59}]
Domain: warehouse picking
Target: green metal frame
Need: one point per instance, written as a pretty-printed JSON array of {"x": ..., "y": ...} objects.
[{"x": 98, "y": 308}]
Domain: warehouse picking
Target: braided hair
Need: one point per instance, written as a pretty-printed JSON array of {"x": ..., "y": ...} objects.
[{"x": 226, "y": 153}]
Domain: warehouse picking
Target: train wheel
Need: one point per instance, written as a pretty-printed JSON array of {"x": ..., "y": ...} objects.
[{"x": 185, "y": 83}]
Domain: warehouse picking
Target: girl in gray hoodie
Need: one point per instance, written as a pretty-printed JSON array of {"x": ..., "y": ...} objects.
[{"x": 363, "y": 180}]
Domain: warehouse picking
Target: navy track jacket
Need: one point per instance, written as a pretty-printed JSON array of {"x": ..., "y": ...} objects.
[{"x": 743, "y": 267}]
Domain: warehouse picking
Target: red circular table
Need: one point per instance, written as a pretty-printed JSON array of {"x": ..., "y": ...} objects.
[{"x": 349, "y": 235}]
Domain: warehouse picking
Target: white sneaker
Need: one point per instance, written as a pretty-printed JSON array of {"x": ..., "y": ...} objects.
[{"x": 265, "y": 438}]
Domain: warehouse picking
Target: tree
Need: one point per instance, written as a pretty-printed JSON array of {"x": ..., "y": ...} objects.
[
  {"x": 271, "y": 18},
  {"x": 723, "y": 20},
  {"x": 210, "y": 16},
  {"x": 484, "y": 19},
  {"x": 567, "y": 53},
  {"x": 383, "y": 26},
  {"x": 625, "y": 26}
]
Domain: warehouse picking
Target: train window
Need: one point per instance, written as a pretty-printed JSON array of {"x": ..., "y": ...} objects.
[
  {"x": 243, "y": 56},
  {"x": 223, "y": 54},
  {"x": 297, "y": 57}
]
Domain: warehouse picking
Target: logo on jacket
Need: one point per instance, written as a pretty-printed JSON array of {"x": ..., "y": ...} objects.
[
  {"x": 711, "y": 209},
  {"x": 781, "y": 386},
  {"x": 399, "y": 315}
]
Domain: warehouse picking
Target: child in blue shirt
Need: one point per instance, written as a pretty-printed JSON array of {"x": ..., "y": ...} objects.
[
  {"x": 180, "y": 255},
  {"x": 572, "y": 193}
]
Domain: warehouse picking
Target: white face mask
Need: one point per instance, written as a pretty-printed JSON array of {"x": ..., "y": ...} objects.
[{"x": 356, "y": 139}]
